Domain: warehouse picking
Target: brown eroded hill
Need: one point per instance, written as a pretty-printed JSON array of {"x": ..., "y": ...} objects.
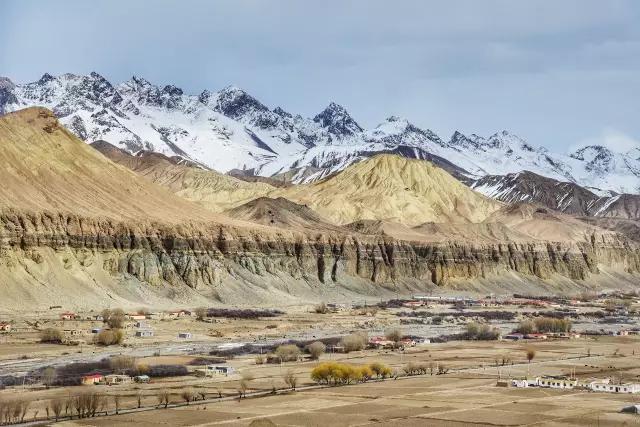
[
  {"x": 212, "y": 190},
  {"x": 46, "y": 168},
  {"x": 281, "y": 213},
  {"x": 389, "y": 187}
]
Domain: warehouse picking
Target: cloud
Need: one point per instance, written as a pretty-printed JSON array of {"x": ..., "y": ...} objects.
[{"x": 613, "y": 139}]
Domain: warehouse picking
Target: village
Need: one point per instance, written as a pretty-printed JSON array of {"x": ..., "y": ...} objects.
[{"x": 184, "y": 356}]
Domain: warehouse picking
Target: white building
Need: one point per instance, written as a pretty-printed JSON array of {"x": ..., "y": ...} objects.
[
  {"x": 557, "y": 383},
  {"x": 616, "y": 388},
  {"x": 213, "y": 370}
]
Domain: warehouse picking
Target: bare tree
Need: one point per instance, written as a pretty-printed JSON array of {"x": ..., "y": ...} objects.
[
  {"x": 290, "y": 379},
  {"x": 122, "y": 364},
  {"x": 246, "y": 378},
  {"x": 187, "y": 395},
  {"x": 139, "y": 398},
  {"x": 48, "y": 376},
  {"x": 163, "y": 398},
  {"x": 116, "y": 319},
  {"x": 531, "y": 354},
  {"x": 116, "y": 402},
  {"x": 395, "y": 335}
]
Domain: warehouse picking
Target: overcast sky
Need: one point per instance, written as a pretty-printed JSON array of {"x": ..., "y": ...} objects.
[{"x": 558, "y": 73}]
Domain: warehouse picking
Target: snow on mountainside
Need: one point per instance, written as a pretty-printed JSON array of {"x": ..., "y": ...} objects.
[
  {"x": 231, "y": 130},
  {"x": 566, "y": 197}
]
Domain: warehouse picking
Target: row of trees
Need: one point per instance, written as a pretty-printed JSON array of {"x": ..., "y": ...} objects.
[
  {"x": 432, "y": 368},
  {"x": 13, "y": 411},
  {"x": 336, "y": 373},
  {"x": 544, "y": 325}
]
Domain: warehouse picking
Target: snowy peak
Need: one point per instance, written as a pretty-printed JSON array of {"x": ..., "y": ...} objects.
[
  {"x": 236, "y": 103},
  {"x": 399, "y": 131},
  {"x": 7, "y": 95},
  {"x": 337, "y": 121}
]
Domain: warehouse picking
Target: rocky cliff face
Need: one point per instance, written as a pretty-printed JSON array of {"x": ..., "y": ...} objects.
[{"x": 206, "y": 258}]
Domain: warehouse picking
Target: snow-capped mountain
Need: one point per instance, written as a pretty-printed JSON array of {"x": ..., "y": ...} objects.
[{"x": 231, "y": 130}]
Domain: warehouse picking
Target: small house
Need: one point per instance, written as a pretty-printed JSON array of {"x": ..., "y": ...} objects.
[
  {"x": 5, "y": 327},
  {"x": 179, "y": 313},
  {"x": 513, "y": 337},
  {"x": 67, "y": 315},
  {"x": 116, "y": 379},
  {"x": 536, "y": 336},
  {"x": 142, "y": 379},
  {"x": 144, "y": 333},
  {"x": 413, "y": 304},
  {"x": 184, "y": 335},
  {"x": 92, "y": 379},
  {"x": 381, "y": 342},
  {"x": 213, "y": 370},
  {"x": 557, "y": 383},
  {"x": 616, "y": 388}
]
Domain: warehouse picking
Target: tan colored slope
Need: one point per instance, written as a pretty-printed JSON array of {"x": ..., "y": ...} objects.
[
  {"x": 541, "y": 223},
  {"x": 45, "y": 167},
  {"x": 389, "y": 187},
  {"x": 213, "y": 190}
]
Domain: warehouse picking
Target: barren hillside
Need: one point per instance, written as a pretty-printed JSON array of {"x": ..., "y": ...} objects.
[{"x": 389, "y": 187}]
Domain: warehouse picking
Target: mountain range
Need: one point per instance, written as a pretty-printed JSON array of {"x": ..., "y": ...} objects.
[
  {"x": 231, "y": 131},
  {"x": 93, "y": 225}
]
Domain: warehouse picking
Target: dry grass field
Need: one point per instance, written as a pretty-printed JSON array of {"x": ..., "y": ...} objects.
[{"x": 466, "y": 395}]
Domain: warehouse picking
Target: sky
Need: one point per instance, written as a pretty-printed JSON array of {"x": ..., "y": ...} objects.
[{"x": 561, "y": 73}]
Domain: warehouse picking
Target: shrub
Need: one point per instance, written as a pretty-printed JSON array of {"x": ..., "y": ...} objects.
[
  {"x": 354, "y": 342},
  {"x": 51, "y": 335},
  {"x": 167, "y": 371},
  {"x": 316, "y": 349},
  {"x": 109, "y": 337},
  {"x": 201, "y": 313},
  {"x": 526, "y": 327},
  {"x": 482, "y": 332},
  {"x": 287, "y": 353},
  {"x": 321, "y": 308},
  {"x": 412, "y": 368}
]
